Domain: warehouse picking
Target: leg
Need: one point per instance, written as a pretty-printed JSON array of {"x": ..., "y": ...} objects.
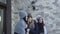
[{"x": 15, "y": 33}]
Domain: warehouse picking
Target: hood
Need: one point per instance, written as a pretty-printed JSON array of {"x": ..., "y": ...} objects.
[
  {"x": 22, "y": 14},
  {"x": 39, "y": 16}
]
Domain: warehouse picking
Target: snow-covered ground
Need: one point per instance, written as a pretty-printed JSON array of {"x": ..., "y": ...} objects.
[{"x": 48, "y": 9}]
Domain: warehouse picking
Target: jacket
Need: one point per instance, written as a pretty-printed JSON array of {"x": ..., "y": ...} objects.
[
  {"x": 35, "y": 30},
  {"x": 21, "y": 25}
]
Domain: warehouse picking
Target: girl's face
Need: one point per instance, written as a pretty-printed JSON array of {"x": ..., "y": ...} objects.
[
  {"x": 29, "y": 19},
  {"x": 40, "y": 20}
]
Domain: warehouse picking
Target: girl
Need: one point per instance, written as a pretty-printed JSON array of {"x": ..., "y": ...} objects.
[
  {"x": 21, "y": 25},
  {"x": 29, "y": 19},
  {"x": 41, "y": 25},
  {"x": 32, "y": 27}
]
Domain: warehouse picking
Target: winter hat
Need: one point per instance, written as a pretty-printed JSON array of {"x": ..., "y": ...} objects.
[
  {"x": 39, "y": 16},
  {"x": 22, "y": 14}
]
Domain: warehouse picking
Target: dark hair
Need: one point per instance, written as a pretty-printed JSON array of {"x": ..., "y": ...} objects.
[
  {"x": 41, "y": 26},
  {"x": 42, "y": 21},
  {"x": 29, "y": 15}
]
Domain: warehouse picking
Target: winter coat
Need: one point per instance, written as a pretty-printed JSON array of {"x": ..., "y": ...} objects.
[
  {"x": 35, "y": 30},
  {"x": 20, "y": 27},
  {"x": 42, "y": 30}
]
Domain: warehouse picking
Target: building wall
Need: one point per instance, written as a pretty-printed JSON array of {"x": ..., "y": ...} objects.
[{"x": 48, "y": 9}]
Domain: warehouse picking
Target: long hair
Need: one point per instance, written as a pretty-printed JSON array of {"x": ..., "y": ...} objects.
[
  {"x": 41, "y": 25},
  {"x": 42, "y": 21},
  {"x": 29, "y": 15}
]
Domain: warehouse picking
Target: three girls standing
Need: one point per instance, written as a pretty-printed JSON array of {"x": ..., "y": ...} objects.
[{"x": 28, "y": 25}]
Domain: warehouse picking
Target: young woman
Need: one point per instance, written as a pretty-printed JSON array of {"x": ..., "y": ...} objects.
[
  {"x": 29, "y": 18},
  {"x": 41, "y": 26},
  {"x": 20, "y": 27},
  {"x": 32, "y": 25}
]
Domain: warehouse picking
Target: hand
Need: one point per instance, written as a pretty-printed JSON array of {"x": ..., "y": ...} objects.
[{"x": 28, "y": 30}]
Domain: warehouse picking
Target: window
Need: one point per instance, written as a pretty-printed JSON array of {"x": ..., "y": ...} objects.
[
  {"x": 1, "y": 21},
  {"x": 5, "y": 16}
]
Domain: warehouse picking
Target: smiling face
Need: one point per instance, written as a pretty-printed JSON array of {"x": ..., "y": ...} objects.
[
  {"x": 40, "y": 20},
  {"x": 29, "y": 19}
]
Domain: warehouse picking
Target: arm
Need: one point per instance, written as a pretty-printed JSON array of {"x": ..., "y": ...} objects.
[
  {"x": 35, "y": 30},
  {"x": 45, "y": 30}
]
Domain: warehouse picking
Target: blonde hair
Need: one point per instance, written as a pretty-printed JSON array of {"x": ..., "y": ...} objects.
[{"x": 32, "y": 24}]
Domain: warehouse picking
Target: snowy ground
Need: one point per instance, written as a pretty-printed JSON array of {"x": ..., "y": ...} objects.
[{"x": 48, "y": 9}]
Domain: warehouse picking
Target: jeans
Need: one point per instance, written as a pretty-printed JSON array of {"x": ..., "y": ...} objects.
[
  {"x": 15, "y": 33},
  {"x": 41, "y": 33}
]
